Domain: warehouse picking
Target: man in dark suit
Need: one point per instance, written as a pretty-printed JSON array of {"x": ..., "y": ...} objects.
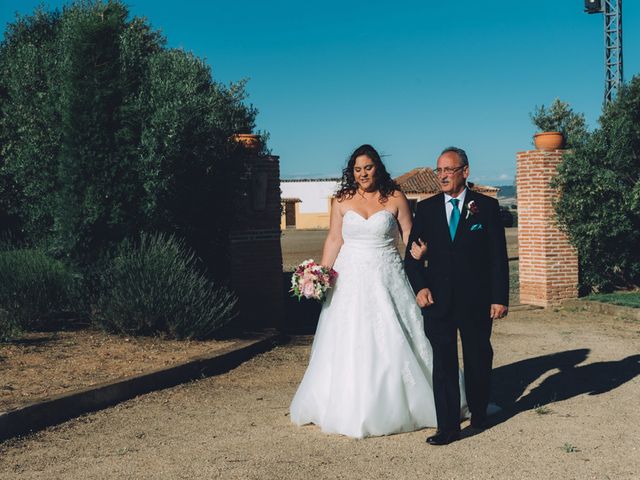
[{"x": 464, "y": 286}]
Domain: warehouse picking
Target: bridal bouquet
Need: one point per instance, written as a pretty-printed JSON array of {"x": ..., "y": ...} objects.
[{"x": 311, "y": 280}]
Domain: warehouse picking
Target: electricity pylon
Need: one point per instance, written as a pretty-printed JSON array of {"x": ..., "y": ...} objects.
[{"x": 612, "y": 10}]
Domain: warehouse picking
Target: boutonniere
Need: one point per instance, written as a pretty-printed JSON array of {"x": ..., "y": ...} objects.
[{"x": 472, "y": 209}]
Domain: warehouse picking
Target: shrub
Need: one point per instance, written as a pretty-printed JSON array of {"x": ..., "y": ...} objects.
[
  {"x": 33, "y": 289},
  {"x": 599, "y": 207},
  {"x": 156, "y": 287},
  {"x": 559, "y": 117},
  {"x": 8, "y": 328}
]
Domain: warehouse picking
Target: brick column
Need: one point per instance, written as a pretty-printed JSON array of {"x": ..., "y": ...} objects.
[
  {"x": 548, "y": 263},
  {"x": 256, "y": 257}
]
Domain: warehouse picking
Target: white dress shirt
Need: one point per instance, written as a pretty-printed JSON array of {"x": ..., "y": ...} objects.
[{"x": 449, "y": 206}]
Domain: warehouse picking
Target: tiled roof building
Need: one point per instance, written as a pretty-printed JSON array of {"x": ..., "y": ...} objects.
[
  {"x": 421, "y": 183},
  {"x": 419, "y": 180}
]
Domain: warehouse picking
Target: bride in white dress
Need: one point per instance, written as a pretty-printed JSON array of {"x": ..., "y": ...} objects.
[{"x": 370, "y": 368}]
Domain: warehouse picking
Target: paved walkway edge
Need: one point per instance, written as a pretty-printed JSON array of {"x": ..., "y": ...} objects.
[{"x": 60, "y": 408}]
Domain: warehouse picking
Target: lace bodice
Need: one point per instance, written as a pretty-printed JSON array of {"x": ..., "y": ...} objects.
[{"x": 380, "y": 230}]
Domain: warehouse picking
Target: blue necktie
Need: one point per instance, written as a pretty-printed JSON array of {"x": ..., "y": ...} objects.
[{"x": 454, "y": 218}]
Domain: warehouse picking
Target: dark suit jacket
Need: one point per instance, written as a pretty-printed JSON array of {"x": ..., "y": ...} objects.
[{"x": 474, "y": 266}]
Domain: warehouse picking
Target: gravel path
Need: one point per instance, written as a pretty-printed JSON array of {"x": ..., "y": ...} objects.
[{"x": 570, "y": 381}]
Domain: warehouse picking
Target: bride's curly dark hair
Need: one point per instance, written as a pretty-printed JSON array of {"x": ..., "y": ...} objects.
[{"x": 384, "y": 184}]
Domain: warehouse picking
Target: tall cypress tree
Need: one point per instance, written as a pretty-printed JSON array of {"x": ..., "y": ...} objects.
[
  {"x": 29, "y": 125},
  {"x": 96, "y": 204}
]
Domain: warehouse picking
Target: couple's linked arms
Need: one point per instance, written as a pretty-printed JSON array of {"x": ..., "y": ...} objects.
[
  {"x": 415, "y": 266},
  {"x": 417, "y": 248}
]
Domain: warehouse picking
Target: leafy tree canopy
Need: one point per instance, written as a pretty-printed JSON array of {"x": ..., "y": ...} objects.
[
  {"x": 105, "y": 133},
  {"x": 600, "y": 202}
]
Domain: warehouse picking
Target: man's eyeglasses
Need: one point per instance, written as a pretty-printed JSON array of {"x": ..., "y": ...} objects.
[{"x": 447, "y": 170}]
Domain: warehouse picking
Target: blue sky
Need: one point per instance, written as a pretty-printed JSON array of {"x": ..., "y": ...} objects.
[{"x": 409, "y": 77}]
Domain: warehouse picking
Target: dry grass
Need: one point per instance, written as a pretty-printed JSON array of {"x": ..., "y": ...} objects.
[{"x": 40, "y": 365}]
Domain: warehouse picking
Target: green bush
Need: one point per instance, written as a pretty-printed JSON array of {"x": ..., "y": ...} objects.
[
  {"x": 155, "y": 287},
  {"x": 8, "y": 328},
  {"x": 600, "y": 203},
  {"x": 33, "y": 289}
]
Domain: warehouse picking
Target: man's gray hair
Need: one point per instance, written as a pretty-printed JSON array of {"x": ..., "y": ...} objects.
[{"x": 462, "y": 155}]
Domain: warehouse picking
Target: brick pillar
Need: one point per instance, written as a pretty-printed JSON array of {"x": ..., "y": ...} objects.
[
  {"x": 548, "y": 263},
  {"x": 256, "y": 257}
]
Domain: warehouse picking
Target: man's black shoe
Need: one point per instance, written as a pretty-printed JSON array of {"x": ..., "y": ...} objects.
[{"x": 443, "y": 438}]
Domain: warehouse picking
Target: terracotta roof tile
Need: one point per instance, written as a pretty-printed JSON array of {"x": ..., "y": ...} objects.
[
  {"x": 424, "y": 180},
  {"x": 419, "y": 180}
]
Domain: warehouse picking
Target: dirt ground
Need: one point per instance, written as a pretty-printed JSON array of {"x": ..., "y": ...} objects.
[
  {"x": 568, "y": 381},
  {"x": 43, "y": 364}
]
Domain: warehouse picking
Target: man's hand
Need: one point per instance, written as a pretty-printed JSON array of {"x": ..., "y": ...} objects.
[
  {"x": 498, "y": 311},
  {"x": 424, "y": 298},
  {"x": 419, "y": 249}
]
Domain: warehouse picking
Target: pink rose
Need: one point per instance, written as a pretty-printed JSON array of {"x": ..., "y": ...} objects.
[{"x": 308, "y": 289}]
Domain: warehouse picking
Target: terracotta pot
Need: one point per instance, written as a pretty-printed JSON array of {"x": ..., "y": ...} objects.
[
  {"x": 548, "y": 140},
  {"x": 250, "y": 141}
]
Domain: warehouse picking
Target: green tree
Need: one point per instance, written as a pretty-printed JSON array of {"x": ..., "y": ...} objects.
[
  {"x": 106, "y": 133},
  {"x": 97, "y": 204},
  {"x": 29, "y": 124},
  {"x": 188, "y": 163},
  {"x": 600, "y": 202}
]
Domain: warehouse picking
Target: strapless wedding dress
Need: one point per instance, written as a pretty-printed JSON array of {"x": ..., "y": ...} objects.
[{"x": 370, "y": 367}]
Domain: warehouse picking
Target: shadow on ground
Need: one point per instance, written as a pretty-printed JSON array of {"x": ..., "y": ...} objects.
[{"x": 511, "y": 381}]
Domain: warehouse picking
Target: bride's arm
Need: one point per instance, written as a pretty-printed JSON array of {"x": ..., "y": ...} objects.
[
  {"x": 405, "y": 219},
  {"x": 334, "y": 238}
]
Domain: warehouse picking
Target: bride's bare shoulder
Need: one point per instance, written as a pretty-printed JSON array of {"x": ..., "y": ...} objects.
[
  {"x": 398, "y": 199},
  {"x": 342, "y": 203}
]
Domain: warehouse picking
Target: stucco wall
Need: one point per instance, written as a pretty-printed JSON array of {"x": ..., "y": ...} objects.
[{"x": 313, "y": 194}]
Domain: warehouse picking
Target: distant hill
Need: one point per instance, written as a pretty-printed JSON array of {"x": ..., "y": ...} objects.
[{"x": 506, "y": 191}]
